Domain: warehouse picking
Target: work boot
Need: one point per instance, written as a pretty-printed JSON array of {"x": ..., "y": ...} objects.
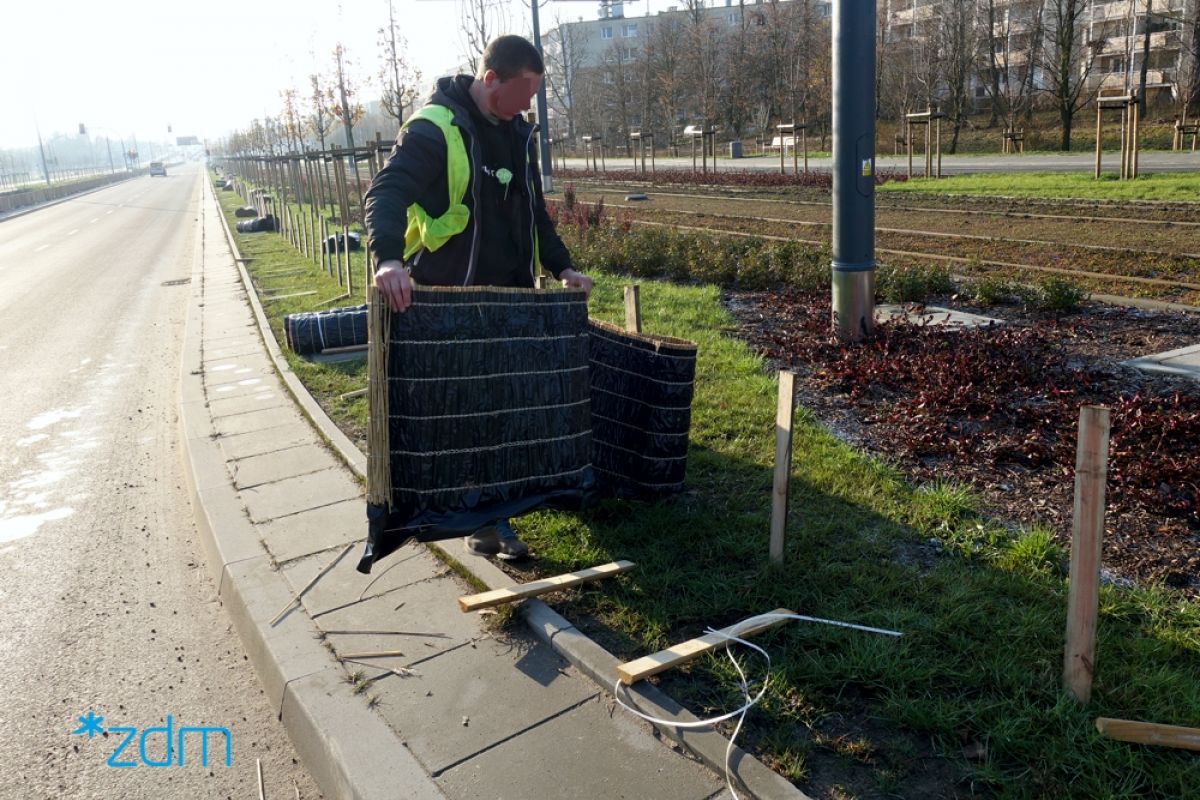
[
  {"x": 511, "y": 548},
  {"x": 498, "y": 540}
]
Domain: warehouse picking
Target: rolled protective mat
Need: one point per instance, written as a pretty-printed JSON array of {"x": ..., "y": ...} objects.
[
  {"x": 479, "y": 411},
  {"x": 311, "y": 332},
  {"x": 642, "y": 387}
]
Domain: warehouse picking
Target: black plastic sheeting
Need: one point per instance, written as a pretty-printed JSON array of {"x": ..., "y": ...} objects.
[
  {"x": 642, "y": 387},
  {"x": 259, "y": 225},
  {"x": 311, "y": 332},
  {"x": 489, "y": 414},
  {"x": 337, "y": 243},
  {"x": 246, "y": 211}
]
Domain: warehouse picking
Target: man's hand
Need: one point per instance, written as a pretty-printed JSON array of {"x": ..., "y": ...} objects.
[
  {"x": 575, "y": 280},
  {"x": 395, "y": 284}
]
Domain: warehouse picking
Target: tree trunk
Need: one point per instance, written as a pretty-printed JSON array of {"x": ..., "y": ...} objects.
[{"x": 1066, "y": 117}]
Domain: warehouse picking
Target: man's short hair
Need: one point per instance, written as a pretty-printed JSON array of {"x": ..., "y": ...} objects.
[{"x": 509, "y": 55}]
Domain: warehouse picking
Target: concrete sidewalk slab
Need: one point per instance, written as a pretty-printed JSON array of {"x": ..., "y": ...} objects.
[
  {"x": 564, "y": 759},
  {"x": 269, "y": 440},
  {"x": 302, "y": 459},
  {"x": 313, "y": 531},
  {"x": 1184, "y": 362},
  {"x": 289, "y": 496}
]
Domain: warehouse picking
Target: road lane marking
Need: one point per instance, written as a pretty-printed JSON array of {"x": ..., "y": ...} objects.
[
  {"x": 40, "y": 249},
  {"x": 72, "y": 233},
  {"x": 93, "y": 221},
  {"x": 106, "y": 213}
]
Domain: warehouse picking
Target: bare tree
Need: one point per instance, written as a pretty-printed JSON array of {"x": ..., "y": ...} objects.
[
  {"x": 564, "y": 59},
  {"x": 347, "y": 111},
  {"x": 320, "y": 119},
  {"x": 1067, "y": 60},
  {"x": 481, "y": 21},
  {"x": 293, "y": 128},
  {"x": 1189, "y": 66},
  {"x": 398, "y": 79},
  {"x": 670, "y": 75},
  {"x": 959, "y": 45}
]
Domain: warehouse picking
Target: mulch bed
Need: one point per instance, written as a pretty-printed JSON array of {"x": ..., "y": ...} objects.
[{"x": 997, "y": 408}]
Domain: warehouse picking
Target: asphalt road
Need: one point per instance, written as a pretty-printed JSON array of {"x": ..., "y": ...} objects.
[{"x": 105, "y": 603}]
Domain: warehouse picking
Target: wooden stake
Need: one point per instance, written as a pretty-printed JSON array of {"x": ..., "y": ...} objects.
[
  {"x": 633, "y": 671},
  {"x": 499, "y": 597},
  {"x": 1087, "y": 534},
  {"x": 311, "y": 583},
  {"x": 262, "y": 790},
  {"x": 633, "y": 310},
  {"x": 373, "y": 654},
  {"x": 352, "y": 395},
  {"x": 1124, "y": 730},
  {"x": 783, "y": 462}
]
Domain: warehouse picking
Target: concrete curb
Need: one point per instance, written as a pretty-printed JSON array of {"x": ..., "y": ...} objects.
[
  {"x": 347, "y": 748},
  {"x": 708, "y": 746}
]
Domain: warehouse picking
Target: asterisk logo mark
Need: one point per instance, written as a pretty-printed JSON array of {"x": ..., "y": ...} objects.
[{"x": 90, "y": 726}]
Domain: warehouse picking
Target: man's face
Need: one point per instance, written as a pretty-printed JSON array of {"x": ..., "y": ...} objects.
[{"x": 507, "y": 99}]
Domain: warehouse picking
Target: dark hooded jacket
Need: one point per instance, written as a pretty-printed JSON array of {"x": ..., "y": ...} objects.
[{"x": 415, "y": 172}]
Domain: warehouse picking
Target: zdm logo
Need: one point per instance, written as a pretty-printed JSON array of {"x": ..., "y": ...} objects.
[{"x": 174, "y": 742}]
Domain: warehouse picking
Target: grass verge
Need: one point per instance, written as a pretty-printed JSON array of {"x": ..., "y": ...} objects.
[
  {"x": 968, "y": 702},
  {"x": 1157, "y": 186}
]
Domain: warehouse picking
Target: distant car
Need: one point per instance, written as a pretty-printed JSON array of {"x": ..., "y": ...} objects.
[{"x": 157, "y": 168}]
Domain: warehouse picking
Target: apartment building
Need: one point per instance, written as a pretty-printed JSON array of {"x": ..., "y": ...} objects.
[
  {"x": 1117, "y": 30},
  {"x": 590, "y": 47}
]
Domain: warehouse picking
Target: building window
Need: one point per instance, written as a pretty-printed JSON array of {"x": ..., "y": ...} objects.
[
  {"x": 606, "y": 32},
  {"x": 629, "y": 30},
  {"x": 732, "y": 18}
]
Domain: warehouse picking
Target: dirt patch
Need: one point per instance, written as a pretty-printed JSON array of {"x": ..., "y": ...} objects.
[{"x": 996, "y": 409}]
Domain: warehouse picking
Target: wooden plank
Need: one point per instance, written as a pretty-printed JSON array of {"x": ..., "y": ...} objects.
[
  {"x": 633, "y": 310},
  {"x": 783, "y": 462},
  {"x": 499, "y": 597},
  {"x": 1087, "y": 534},
  {"x": 1126, "y": 730},
  {"x": 634, "y": 671}
]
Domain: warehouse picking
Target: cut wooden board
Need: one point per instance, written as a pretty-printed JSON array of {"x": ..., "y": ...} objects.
[
  {"x": 644, "y": 667},
  {"x": 1126, "y": 730},
  {"x": 498, "y": 597}
]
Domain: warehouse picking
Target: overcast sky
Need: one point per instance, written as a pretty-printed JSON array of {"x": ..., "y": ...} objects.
[{"x": 208, "y": 67}]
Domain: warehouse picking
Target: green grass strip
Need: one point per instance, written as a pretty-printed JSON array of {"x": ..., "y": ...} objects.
[{"x": 1157, "y": 186}]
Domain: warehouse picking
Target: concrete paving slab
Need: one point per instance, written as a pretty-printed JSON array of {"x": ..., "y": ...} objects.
[
  {"x": 291, "y": 495},
  {"x": 258, "y": 420},
  {"x": 313, "y": 531},
  {"x": 933, "y": 315},
  {"x": 238, "y": 348},
  {"x": 247, "y": 377},
  {"x": 271, "y": 467},
  {"x": 415, "y": 597},
  {"x": 498, "y": 688},
  {"x": 290, "y": 649},
  {"x": 243, "y": 445},
  {"x": 242, "y": 388},
  {"x": 583, "y": 753},
  {"x": 348, "y": 747},
  {"x": 236, "y": 366},
  {"x": 225, "y": 406},
  {"x": 1184, "y": 362}
]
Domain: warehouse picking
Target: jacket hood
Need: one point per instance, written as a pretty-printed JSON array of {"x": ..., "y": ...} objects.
[{"x": 453, "y": 91}]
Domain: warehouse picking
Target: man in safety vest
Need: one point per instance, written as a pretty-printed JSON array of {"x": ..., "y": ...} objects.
[{"x": 459, "y": 201}]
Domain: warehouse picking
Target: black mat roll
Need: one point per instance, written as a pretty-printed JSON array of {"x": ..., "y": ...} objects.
[
  {"x": 488, "y": 412},
  {"x": 642, "y": 387},
  {"x": 311, "y": 332}
]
